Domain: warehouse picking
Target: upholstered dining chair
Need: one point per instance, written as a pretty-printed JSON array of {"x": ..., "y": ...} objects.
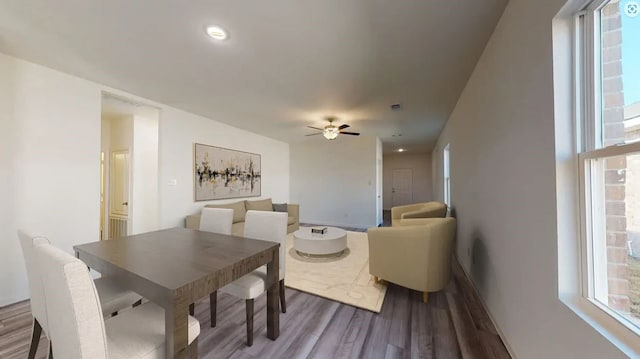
[
  {"x": 216, "y": 220},
  {"x": 77, "y": 327},
  {"x": 266, "y": 226},
  {"x": 113, "y": 296}
]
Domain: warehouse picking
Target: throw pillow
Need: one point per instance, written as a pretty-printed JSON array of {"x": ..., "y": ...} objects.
[
  {"x": 261, "y": 205},
  {"x": 280, "y": 207}
]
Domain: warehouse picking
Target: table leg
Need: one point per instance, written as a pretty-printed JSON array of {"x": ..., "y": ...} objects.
[
  {"x": 176, "y": 324},
  {"x": 273, "y": 311}
]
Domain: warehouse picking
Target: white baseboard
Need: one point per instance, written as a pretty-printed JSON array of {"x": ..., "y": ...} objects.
[{"x": 484, "y": 306}]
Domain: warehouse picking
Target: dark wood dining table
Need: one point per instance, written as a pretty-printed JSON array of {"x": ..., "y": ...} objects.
[{"x": 176, "y": 267}]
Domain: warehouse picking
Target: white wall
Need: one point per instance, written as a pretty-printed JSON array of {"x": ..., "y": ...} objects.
[
  {"x": 420, "y": 164},
  {"x": 335, "y": 181},
  {"x": 503, "y": 188},
  {"x": 178, "y": 132},
  {"x": 50, "y": 162},
  {"x": 144, "y": 200}
]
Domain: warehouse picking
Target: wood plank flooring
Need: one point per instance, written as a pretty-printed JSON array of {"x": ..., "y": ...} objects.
[{"x": 453, "y": 324}]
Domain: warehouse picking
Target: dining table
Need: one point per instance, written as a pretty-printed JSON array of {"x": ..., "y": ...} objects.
[{"x": 176, "y": 267}]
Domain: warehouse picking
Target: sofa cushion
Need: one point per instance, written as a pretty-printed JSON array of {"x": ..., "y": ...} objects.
[
  {"x": 239, "y": 211},
  {"x": 291, "y": 220},
  {"x": 261, "y": 205},
  {"x": 237, "y": 229},
  {"x": 280, "y": 207}
]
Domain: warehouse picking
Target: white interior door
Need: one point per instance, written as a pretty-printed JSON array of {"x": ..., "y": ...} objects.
[
  {"x": 402, "y": 190},
  {"x": 119, "y": 189}
]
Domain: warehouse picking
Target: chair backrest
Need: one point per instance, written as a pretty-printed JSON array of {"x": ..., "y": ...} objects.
[
  {"x": 38, "y": 309},
  {"x": 76, "y": 325},
  {"x": 268, "y": 226},
  {"x": 216, "y": 220}
]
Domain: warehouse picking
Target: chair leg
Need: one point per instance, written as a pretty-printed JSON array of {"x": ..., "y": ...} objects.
[
  {"x": 213, "y": 308},
  {"x": 425, "y": 297},
  {"x": 283, "y": 301},
  {"x": 192, "y": 309},
  {"x": 249, "y": 322},
  {"x": 193, "y": 349},
  {"x": 35, "y": 338},
  {"x": 50, "y": 350},
  {"x": 376, "y": 280}
]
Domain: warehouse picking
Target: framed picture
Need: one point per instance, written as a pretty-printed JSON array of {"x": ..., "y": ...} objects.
[{"x": 223, "y": 173}]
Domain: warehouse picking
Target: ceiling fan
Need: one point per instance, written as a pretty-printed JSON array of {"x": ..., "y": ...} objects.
[{"x": 331, "y": 131}]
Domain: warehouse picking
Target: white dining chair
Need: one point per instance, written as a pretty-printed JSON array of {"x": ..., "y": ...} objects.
[
  {"x": 78, "y": 329},
  {"x": 266, "y": 226},
  {"x": 114, "y": 297},
  {"x": 216, "y": 220}
]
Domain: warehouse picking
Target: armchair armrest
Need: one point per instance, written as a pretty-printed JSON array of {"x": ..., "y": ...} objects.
[
  {"x": 294, "y": 211},
  {"x": 428, "y": 210},
  {"x": 396, "y": 212},
  {"x": 192, "y": 221},
  {"x": 418, "y": 221}
]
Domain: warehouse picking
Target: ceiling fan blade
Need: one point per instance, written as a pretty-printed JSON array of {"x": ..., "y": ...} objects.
[
  {"x": 313, "y": 134},
  {"x": 350, "y": 133},
  {"x": 342, "y": 127},
  {"x": 316, "y": 128}
]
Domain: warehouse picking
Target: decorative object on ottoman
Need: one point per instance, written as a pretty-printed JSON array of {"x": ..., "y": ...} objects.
[{"x": 319, "y": 230}]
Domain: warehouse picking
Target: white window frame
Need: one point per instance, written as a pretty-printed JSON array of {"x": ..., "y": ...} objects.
[
  {"x": 588, "y": 110},
  {"x": 446, "y": 160}
]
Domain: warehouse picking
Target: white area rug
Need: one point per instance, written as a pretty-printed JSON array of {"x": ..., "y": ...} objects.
[{"x": 344, "y": 279}]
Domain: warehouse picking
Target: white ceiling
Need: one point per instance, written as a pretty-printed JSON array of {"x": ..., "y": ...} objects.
[
  {"x": 287, "y": 63},
  {"x": 116, "y": 107}
]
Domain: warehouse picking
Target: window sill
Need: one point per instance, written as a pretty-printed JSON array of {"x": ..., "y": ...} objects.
[{"x": 621, "y": 336}]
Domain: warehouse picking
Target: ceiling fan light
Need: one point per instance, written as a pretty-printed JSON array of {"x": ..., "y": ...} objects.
[{"x": 330, "y": 133}]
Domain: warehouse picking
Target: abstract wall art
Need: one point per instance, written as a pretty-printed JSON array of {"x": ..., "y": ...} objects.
[{"x": 223, "y": 173}]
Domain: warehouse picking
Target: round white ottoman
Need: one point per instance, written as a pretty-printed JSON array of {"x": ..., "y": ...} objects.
[{"x": 333, "y": 242}]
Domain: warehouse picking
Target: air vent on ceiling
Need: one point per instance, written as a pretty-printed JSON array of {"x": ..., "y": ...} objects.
[{"x": 395, "y": 107}]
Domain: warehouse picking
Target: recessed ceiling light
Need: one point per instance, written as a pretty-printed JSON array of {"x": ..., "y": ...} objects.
[
  {"x": 216, "y": 32},
  {"x": 400, "y": 149}
]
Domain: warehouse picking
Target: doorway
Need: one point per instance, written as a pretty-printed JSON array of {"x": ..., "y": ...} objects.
[
  {"x": 129, "y": 185},
  {"x": 402, "y": 187}
]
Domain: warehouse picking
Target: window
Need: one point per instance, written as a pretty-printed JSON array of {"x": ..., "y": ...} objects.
[
  {"x": 608, "y": 114},
  {"x": 447, "y": 176}
]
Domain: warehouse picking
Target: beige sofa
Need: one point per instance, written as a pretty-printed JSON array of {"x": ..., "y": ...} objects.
[
  {"x": 419, "y": 210},
  {"x": 240, "y": 208},
  {"x": 415, "y": 254}
]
